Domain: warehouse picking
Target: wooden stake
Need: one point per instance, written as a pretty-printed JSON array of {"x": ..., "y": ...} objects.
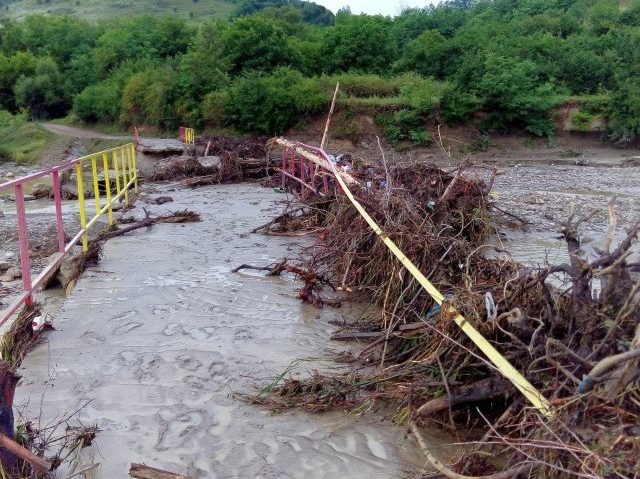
[{"x": 323, "y": 143}]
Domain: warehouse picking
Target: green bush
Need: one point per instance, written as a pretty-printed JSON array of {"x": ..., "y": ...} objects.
[
  {"x": 582, "y": 120},
  {"x": 423, "y": 94},
  {"x": 624, "y": 116},
  {"x": 513, "y": 94},
  {"x": 363, "y": 85},
  {"x": 148, "y": 98},
  {"x": 270, "y": 104},
  {"x": 404, "y": 125},
  {"x": 359, "y": 43},
  {"x": 42, "y": 94},
  {"x": 458, "y": 106},
  {"x": 98, "y": 103},
  {"x": 213, "y": 108}
]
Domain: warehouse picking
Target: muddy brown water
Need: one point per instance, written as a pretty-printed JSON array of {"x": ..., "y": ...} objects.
[{"x": 161, "y": 333}]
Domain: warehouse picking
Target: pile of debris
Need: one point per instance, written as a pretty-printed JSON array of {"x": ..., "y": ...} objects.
[
  {"x": 572, "y": 329},
  {"x": 243, "y": 148},
  {"x": 217, "y": 159}
]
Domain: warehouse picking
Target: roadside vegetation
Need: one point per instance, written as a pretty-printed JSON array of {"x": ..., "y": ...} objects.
[
  {"x": 495, "y": 64},
  {"x": 22, "y": 141}
]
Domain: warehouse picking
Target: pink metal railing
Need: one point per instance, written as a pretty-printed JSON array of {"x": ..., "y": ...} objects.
[{"x": 124, "y": 163}]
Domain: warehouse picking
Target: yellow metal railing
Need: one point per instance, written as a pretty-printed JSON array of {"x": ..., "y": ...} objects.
[
  {"x": 123, "y": 161},
  {"x": 188, "y": 135}
]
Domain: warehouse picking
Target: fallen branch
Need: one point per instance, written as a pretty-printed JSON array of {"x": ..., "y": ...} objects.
[
  {"x": 444, "y": 470},
  {"x": 248, "y": 266},
  {"x": 515, "y": 217},
  {"x": 39, "y": 464},
  {"x": 597, "y": 373},
  {"x": 140, "y": 471},
  {"x": 356, "y": 336},
  {"x": 489, "y": 388},
  {"x": 185, "y": 216}
]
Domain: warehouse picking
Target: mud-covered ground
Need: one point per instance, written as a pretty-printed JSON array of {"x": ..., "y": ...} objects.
[
  {"x": 41, "y": 220},
  {"x": 157, "y": 338}
]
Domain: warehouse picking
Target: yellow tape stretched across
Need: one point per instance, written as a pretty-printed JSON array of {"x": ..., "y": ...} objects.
[{"x": 499, "y": 361}]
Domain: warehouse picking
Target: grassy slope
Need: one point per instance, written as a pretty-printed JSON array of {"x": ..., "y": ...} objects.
[
  {"x": 100, "y": 9},
  {"x": 25, "y": 143}
]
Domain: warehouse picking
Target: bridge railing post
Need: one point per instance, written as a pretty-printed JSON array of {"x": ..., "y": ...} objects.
[
  {"x": 23, "y": 239},
  {"x": 57, "y": 197},
  {"x": 107, "y": 186}
]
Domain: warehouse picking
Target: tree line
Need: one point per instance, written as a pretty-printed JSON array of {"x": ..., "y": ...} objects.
[{"x": 500, "y": 64}]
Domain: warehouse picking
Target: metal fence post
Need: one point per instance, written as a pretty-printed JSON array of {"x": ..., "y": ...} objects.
[
  {"x": 83, "y": 217},
  {"x": 24, "y": 242},
  {"x": 107, "y": 186},
  {"x": 57, "y": 196}
]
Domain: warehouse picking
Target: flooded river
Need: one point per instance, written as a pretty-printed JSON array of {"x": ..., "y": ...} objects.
[{"x": 159, "y": 336}]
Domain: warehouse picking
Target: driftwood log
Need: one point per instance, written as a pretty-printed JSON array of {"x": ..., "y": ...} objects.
[
  {"x": 185, "y": 216},
  {"x": 490, "y": 388},
  {"x": 140, "y": 471}
]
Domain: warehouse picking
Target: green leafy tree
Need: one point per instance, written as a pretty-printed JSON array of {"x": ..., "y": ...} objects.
[
  {"x": 309, "y": 11},
  {"x": 22, "y": 64},
  {"x": 360, "y": 42},
  {"x": 148, "y": 98},
  {"x": 99, "y": 103},
  {"x": 42, "y": 94},
  {"x": 430, "y": 54},
  {"x": 625, "y": 111},
  {"x": 200, "y": 69},
  {"x": 139, "y": 39},
  {"x": 256, "y": 42},
  {"x": 272, "y": 103},
  {"x": 512, "y": 94}
]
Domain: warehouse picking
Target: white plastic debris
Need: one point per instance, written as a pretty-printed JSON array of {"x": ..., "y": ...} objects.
[{"x": 38, "y": 322}]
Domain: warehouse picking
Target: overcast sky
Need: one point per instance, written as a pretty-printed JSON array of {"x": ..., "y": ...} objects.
[{"x": 384, "y": 7}]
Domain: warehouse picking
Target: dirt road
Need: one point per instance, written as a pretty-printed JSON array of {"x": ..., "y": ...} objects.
[{"x": 81, "y": 133}]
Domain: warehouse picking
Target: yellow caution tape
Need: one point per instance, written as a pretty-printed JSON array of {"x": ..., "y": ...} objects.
[{"x": 504, "y": 366}]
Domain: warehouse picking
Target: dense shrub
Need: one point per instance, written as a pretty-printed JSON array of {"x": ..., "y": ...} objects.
[
  {"x": 360, "y": 43},
  {"x": 625, "y": 112},
  {"x": 98, "y": 103},
  {"x": 311, "y": 12},
  {"x": 272, "y": 103},
  {"x": 42, "y": 94},
  {"x": 404, "y": 125},
  {"x": 503, "y": 63},
  {"x": 512, "y": 94},
  {"x": 148, "y": 97}
]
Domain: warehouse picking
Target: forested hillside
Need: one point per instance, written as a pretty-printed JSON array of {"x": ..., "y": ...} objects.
[
  {"x": 499, "y": 64},
  {"x": 194, "y": 10}
]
